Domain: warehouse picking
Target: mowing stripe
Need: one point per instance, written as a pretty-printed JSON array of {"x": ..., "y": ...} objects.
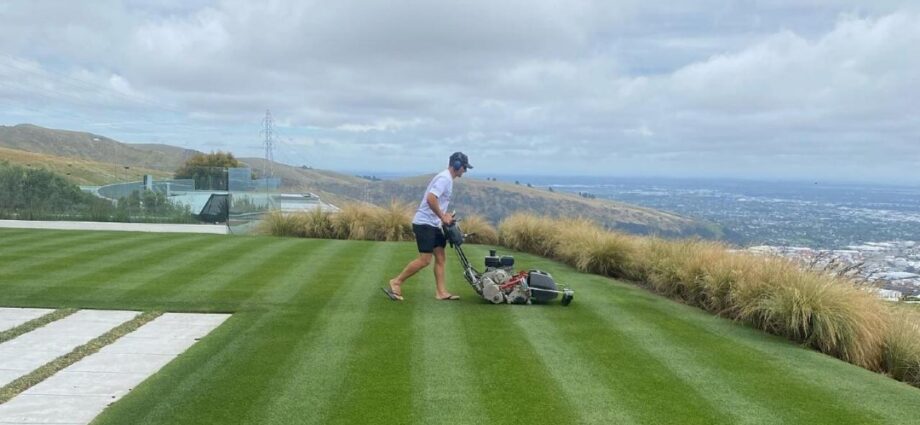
[
  {"x": 197, "y": 267},
  {"x": 46, "y": 247},
  {"x": 753, "y": 391},
  {"x": 299, "y": 280},
  {"x": 21, "y": 356},
  {"x": 315, "y": 377},
  {"x": 245, "y": 353},
  {"x": 697, "y": 364},
  {"x": 121, "y": 273},
  {"x": 257, "y": 268},
  {"x": 86, "y": 257},
  {"x": 15, "y": 238},
  {"x": 805, "y": 368},
  {"x": 110, "y": 260},
  {"x": 783, "y": 390},
  {"x": 12, "y": 233},
  {"x": 445, "y": 386},
  {"x": 87, "y": 386},
  {"x": 594, "y": 398},
  {"x": 19, "y": 321},
  {"x": 504, "y": 362},
  {"x": 376, "y": 375},
  {"x": 250, "y": 265}
]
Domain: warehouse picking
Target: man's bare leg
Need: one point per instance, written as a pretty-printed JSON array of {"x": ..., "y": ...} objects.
[
  {"x": 440, "y": 259},
  {"x": 423, "y": 260}
]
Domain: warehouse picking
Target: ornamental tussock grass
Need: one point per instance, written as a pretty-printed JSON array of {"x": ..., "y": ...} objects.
[
  {"x": 317, "y": 224},
  {"x": 479, "y": 229},
  {"x": 354, "y": 221},
  {"x": 529, "y": 233},
  {"x": 393, "y": 223},
  {"x": 278, "y": 223},
  {"x": 591, "y": 249},
  {"x": 832, "y": 314},
  {"x": 902, "y": 345}
]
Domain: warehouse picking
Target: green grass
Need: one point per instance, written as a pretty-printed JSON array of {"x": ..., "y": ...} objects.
[{"x": 313, "y": 341}]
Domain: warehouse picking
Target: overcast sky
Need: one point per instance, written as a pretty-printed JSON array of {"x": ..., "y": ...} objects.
[{"x": 801, "y": 89}]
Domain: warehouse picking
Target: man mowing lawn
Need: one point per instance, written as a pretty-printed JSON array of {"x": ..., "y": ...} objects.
[{"x": 431, "y": 214}]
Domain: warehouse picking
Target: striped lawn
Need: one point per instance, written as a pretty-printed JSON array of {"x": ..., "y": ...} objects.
[{"x": 315, "y": 341}]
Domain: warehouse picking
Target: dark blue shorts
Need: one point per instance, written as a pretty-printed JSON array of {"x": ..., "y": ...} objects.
[{"x": 428, "y": 237}]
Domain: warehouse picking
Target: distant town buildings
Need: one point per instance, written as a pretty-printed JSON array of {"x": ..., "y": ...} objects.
[{"x": 893, "y": 265}]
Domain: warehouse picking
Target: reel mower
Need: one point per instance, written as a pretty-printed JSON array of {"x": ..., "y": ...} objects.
[{"x": 499, "y": 283}]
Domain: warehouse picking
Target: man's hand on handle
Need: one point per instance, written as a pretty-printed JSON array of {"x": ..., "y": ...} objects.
[{"x": 447, "y": 218}]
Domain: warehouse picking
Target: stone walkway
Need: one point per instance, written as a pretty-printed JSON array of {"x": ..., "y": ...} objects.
[
  {"x": 79, "y": 392},
  {"x": 12, "y": 317}
]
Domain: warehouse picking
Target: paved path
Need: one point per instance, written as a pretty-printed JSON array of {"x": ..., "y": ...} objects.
[
  {"x": 127, "y": 227},
  {"x": 81, "y": 391},
  {"x": 12, "y": 317}
]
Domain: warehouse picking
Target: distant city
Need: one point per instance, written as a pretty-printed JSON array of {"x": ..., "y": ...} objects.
[{"x": 873, "y": 227}]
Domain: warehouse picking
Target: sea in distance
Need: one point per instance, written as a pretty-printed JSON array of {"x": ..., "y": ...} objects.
[{"x": 810, "y": 214}]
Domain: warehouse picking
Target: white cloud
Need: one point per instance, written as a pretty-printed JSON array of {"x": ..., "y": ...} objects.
[{"x": 686, "y": 87}]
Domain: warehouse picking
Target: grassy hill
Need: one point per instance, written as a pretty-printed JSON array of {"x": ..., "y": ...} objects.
[
  {"x": 88, "y": 146},
  {"x": 103, "y": 159},
  {"x": 313, "y": 340}
]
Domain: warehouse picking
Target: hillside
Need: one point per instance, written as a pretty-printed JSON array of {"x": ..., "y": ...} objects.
[
  {"x": 104, "y": 159},
  {"x": 79, "y": 171},
  {"x": 90, "y": 147},
  {"x": 312, "y": 340}
]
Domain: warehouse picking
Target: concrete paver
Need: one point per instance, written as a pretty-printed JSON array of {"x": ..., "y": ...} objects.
[
  {"x": 34, "y": 349},
  {"x": 12, "y": 317},
  {"x": 81, "y": 391}
]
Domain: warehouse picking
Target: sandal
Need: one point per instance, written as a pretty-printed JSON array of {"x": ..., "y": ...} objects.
[{"x": 449, "y": 297}]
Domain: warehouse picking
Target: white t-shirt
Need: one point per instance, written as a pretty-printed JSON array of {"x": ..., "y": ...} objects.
[{"x": 441, "y": 186}]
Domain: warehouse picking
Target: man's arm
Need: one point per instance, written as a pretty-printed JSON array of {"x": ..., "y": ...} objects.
[{"x": 432, "y": 200}]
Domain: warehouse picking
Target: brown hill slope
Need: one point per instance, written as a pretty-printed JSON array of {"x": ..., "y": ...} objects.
[
  {"x": 79, "y": 171},
  {"x": 87, "y": 146}
]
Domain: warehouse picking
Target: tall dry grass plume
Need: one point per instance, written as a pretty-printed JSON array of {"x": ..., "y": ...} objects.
[
  {"x": 902, "y": 345},
  {"x": 277, "y": 223},
  {"x": 529, "y": 233},
  {"x": 479, "y": 229},
  {"x": 355, "y": 221},
  {"x": 393, "y": 223}
]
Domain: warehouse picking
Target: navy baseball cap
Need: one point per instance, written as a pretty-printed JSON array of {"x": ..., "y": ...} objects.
[{"x": 464, "y": 161}]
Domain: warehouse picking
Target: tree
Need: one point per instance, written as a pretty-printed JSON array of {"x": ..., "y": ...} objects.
[{"x": 208, "y": 170}]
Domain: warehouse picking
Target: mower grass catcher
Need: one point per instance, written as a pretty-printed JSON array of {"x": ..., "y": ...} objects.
[{"x": 499, "y": 284}]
